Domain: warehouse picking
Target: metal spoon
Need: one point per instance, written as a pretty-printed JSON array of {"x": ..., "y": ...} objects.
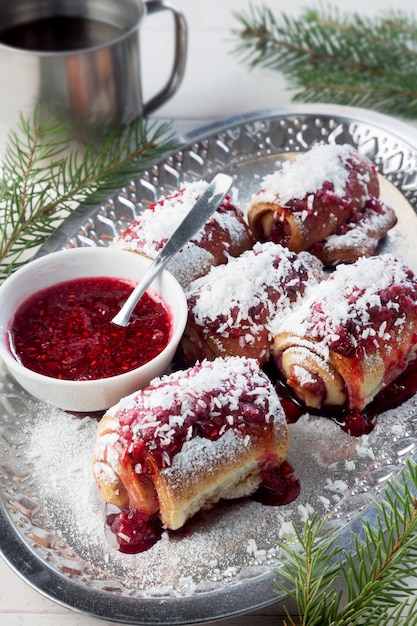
[{"x": 193, "y": 221}]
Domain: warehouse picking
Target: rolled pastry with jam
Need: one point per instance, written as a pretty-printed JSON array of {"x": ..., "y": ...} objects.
[
  {"x": 358, "y": 237},
  {"x": 189, "y": 439},
  {"x": 309, "y": 198},
  {"x": 231, "y": 307},
  {"x": 352, "y": 336},
  {"x": 225, "y": 234}
]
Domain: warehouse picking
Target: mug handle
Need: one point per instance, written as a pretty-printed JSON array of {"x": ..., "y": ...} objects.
[{"x": 180, "y": 55}]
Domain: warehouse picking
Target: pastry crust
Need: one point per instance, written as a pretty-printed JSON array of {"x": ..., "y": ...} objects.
[
  {"x": 352, "y": 336},
  {"x": 310, "y": 198},
  {"x": 357, "y": 238},
  {"x": 230, "y": 308},
  {"x": 225, "y": 234},
  {"x": 191, "y": 439}
]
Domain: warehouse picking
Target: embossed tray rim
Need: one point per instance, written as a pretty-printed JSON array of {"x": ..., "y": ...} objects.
[{"x": 248, "y": 594}]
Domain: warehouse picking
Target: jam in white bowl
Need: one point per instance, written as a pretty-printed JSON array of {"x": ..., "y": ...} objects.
[{"x": 56, "y": 334}]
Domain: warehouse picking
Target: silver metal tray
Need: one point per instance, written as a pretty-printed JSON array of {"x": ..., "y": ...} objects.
[{"x": 224, "y": 562}]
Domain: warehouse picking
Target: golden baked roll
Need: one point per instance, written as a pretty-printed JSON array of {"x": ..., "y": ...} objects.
[
  {"x": 225, "y": 234},
  {"x": 352, "y": 336},
  {"x": 231, "y": 307},
  {"x": 358, "y": 237},
  {"x": 308, "y": 198},
  {"x": 190, "y": 439}
]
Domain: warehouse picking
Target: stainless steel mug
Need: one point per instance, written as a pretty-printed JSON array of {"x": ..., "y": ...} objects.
[{"x": 79, "y": 61}]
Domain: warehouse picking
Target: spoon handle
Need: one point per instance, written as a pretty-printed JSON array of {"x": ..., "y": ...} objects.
[{"x": 193, "y": 221}]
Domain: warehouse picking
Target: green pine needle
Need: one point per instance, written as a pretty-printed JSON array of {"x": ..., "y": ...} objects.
[
  {"x": 327, "y": 56},
  {"x": 44, "y": 178},
  {"x": 379, "y": 573}
]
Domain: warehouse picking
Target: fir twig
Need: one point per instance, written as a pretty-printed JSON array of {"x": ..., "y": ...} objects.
[
  {"x": 377, "y": 573},
  {"x": 332, "y": 57},
  {"x": 43, "y": 178},
  {"x": 309, "y": 570}
]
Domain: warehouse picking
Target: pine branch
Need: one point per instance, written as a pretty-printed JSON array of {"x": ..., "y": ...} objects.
[
  {"x": 387, "y": 556},
  {"x": 44, "y": 178},
  {"x": 329, "y": 57},
  {"x": 309, "y": 569},
  {"x": 376, "y": 573}
]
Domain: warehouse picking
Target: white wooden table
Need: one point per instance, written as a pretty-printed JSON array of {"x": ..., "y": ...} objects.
[
  {"x": 216, "y": 85},
  {"x": 20, "y": 605}
]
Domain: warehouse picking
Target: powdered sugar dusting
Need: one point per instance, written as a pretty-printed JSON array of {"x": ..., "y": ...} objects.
[
  {"x": 227, "y": 544},
  {"x": 60, "y": 448},
  {"x": 198, "y": 453}
]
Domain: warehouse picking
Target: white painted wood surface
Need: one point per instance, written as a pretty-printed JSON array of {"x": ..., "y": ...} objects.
[
  {"x": 20, "y": 605},
  {"x": 216, "y": 83},
  {"x": 215, "y": 86}
]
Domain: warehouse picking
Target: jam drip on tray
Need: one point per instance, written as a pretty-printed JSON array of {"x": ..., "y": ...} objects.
[
  {"x": 355, "y": 423},
  {"x": 132, "y": 531}
]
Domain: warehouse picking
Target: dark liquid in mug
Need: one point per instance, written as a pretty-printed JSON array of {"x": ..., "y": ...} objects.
[{"x": 59, "y": 34}]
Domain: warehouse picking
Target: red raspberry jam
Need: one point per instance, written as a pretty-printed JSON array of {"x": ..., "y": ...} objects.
[
  {"x": 279, "y": 486},
  {"x": 349, "y": 337},
  {"x": 355, "y": 423},
  {"x": 401, "y": 389},
  {"x": 132, "y": 531},
  {"x": 203, "y": 401},
  {"x": 66, "y": 332}
]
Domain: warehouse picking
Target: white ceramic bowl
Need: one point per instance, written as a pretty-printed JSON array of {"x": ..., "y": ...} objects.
[{"x": 87, "y": 395}]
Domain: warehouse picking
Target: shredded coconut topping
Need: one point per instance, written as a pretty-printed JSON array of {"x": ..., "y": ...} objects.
[
  {"x": 151, "y": 230},
  {"x": 357, "y": 305},
  {"x": 307, "y": 174},
  {"x": 203, "y": 401},
  {"x": 250, "y": 290},
  {"x": 157, "y": 223}
]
